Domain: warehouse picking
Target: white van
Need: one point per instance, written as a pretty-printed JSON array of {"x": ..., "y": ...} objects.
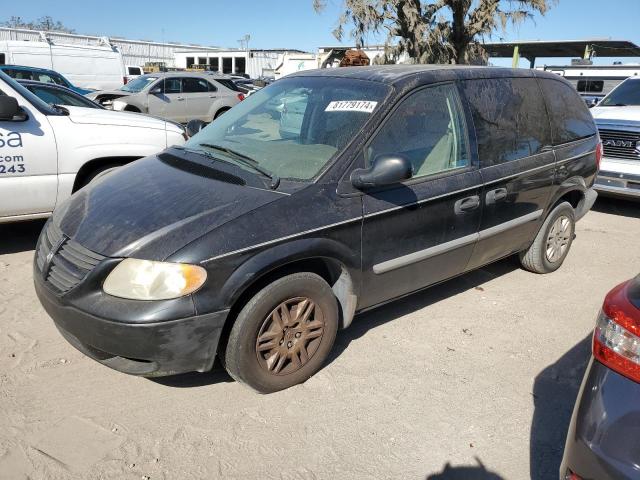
[
  {"x": 47, "y": 153},
  {"x": 98, "y": 67}
]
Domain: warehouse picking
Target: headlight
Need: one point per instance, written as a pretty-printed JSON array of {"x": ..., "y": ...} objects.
[
  {"x": 147, "y": 280},
  {"x": 118, "y": 105}
]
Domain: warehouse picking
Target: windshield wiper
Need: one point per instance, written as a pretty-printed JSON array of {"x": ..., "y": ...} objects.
[{"x": 248, "y": 161}]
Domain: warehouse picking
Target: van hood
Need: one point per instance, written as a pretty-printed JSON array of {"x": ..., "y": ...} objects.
[
  {"x": 155, "y": 206},
  {"x": 626, "y": 114},
  {"x": 98, "y": 116}
]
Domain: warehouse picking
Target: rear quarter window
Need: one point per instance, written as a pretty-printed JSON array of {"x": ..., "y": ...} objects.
[
  {"x": 509, "y": 116},
  {"x": 569, "y": 116}
]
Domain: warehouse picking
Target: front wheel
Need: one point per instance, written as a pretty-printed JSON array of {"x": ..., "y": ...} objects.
[
  {"x": 284, "y": 333},
  {"x": 552, "y": 244}
]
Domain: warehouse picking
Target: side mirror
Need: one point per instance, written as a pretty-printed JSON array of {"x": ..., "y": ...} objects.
[
  {"x": 10, "y": 110},
  {"x": 386, "y": 170},
  {"x": 155, "y": 91},
  {"x": 194, "y": 126}
]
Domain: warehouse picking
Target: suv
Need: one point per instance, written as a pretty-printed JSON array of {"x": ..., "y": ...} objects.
[
  {"x": 618, "y": 119},
  {"x": 256, "y": 247},
  {"x": 177, "y": 96},
  {"x": 49, "y": 151},
  {"x": 43, "y": 75}
]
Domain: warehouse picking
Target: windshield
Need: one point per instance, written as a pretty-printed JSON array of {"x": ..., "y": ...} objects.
[
  {"x": 27, "y": 95},
  {"x": 627, "y": 93},
  {"x": 138, "y": 84},
  {"x": 294, "y": 127},
  {"x": 54, "y": 96}
]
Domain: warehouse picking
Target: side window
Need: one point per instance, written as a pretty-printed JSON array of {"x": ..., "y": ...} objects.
[
  {"x": 510, "y": 118},
  {"x": 570, "y": 117},
  {"x": 43, "y": 77},
  {"x": 194, "y": 85},
  {"x": 170, "y": 85},
  {"x": 428, "y": 127},
  {"x": 2, "y": 59}
]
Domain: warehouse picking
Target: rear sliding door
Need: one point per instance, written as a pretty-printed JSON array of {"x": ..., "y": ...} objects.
[{"x": 516, "y": 163}]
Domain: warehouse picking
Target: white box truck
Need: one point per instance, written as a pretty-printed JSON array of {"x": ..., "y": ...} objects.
[{"x": 98, "y": 67}]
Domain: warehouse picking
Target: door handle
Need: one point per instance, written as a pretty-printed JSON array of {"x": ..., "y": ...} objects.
[
  {"x": 495, "y": 196},
  {"x": 466, "y": 204},
  {"x": 180, "y": 99}
]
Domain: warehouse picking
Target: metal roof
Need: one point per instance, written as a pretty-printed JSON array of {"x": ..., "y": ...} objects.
[{"x": 564, "y": 48}]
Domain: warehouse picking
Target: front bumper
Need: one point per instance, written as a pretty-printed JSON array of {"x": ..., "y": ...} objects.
[
  {"x": 602, "y": 442},
  {"x": 618, "y": 184},
  {"x": 148, "y": 349}
]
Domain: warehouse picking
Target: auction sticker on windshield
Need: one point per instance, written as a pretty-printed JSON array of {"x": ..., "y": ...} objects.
[{"x": 351, "y": 106}]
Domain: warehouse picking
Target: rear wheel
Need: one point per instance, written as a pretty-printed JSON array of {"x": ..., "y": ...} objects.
[
  {"x": 220, "y": 112},
  {"x": 284, "y": 333},
  {"x": 552, "y": 244}
]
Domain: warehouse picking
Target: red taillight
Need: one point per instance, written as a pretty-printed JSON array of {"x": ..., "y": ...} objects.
[
  {"x": 125, "y": 80},
  {"x": 616, "y": 339},
  {"x": 572, "y": 476},
  {"x": 598, "y": 154},
  {"x": 241, "y": 96}
]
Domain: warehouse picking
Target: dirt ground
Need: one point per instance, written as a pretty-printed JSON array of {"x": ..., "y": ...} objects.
[{"x": 472, "y": 379}]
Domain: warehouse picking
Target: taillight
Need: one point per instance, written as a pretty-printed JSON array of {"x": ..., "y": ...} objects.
[
  {"x": 125, "y": 80},
  {"x": 572, "y": 476},
  {"x": 241, "y": 96},
  {"x": 598, "y": 154},
  {"x": 616, "y": 339}
]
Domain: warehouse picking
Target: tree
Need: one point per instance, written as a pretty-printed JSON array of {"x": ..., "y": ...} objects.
[
  {"x": 434, "y": 31},
  {"x": 45, "y": 23}
]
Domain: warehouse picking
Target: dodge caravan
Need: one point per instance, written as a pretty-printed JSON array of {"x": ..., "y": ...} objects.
[{"x": 255, "y": 247}]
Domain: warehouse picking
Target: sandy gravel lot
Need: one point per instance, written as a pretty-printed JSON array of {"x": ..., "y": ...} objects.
[{"x": 472, "y": 379}]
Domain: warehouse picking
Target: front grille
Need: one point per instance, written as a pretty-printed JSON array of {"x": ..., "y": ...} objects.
[
  {"x": 621, "y": 144},
  {"x": 70, "y": 263}
]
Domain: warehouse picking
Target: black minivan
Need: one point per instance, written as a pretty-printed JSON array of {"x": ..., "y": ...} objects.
[{"x": 322, "y": 195}]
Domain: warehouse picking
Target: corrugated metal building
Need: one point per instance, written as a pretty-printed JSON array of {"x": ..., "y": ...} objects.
[{"x": 135, "y": 52}]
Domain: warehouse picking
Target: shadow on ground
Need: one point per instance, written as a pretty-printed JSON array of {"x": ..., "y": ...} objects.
[
  {"x": 20, "y": 236},
  {"x": 364, "y": 322},
  {"x": 466, "y": 472},
  {"x": 617, "y": 206},
  {"x": 554, "y": 394}
]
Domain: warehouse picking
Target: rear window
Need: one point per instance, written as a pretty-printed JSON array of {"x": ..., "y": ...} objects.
[
  {"x": 135, "y": 71},
  {"x": 570, "y": 117},
  {"x": 230, "y": 84},
  {"x": 510, "y": 118},
  {"x": 2, "y": 59}
]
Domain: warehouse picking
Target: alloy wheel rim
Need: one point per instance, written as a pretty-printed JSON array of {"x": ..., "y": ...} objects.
[
  {"x": 558, "y": 239},
  {"x": 290, "y": 335}
]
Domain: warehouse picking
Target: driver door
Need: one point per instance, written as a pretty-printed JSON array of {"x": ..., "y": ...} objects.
[
  {"x": 423, "y": 230},
  {"x": 28, "y": 162}
]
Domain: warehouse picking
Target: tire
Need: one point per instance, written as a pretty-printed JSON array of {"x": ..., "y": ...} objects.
[
  {"x": 269, "y": 354},
  {"x": 220, "y": 112},
  {"x": 553, "y": 242}
]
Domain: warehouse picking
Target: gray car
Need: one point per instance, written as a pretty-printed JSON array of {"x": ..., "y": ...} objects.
[
  {"x": 603, "y": 438},
  {"x": 176, "y": 96}
]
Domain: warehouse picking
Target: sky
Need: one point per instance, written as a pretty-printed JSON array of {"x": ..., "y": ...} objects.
[{"x": 295, "y": 24}]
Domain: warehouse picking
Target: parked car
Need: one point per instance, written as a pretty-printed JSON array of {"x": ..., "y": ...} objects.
[
  {"x": 48, "y": 152},
  {"x": 257, "y": 248},
  {"x": 133, "y": 72},
  {"x": 58, "y": 95},
  {"x": 602, "y": 443},
  {"x": 94, "y": 67},
  {"x": 618, "y": 120},
  {"x": 177, "y": 96},
  {"x": 42, "y": 75}
]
